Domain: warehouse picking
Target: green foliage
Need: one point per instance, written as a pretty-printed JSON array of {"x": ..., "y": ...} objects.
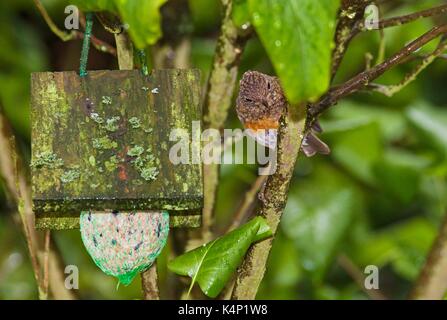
[
  {"x": 142, "y": 17},
  {"x": 317, "y": 227},
  {"x": 297, "y": 36},
  {"x": 357, "y": 148},
  {"x": 212, "y": 265},
  {"x": 241, "y": 13},
  {"x": 403, "y": 246},
  {"x": 431, "y": 123}
]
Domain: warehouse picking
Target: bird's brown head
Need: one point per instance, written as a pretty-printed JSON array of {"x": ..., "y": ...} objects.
[{"x": 260, "y": 102}]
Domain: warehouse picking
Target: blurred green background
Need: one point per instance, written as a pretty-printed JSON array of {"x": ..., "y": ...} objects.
[{"x": 377, "y": 199}]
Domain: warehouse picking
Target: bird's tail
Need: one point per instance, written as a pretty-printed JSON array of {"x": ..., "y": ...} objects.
[{"x": 312, "y": 144}]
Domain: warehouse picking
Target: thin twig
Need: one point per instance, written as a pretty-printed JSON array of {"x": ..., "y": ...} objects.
[
  {"x": 347, "y": 30},
  {"x": 382, "y": 46},
  {"x": 432, "y": 281},
  {"x": 64, "y": 36},
  {"x": 73, "y": 34},
  {"x": 98, "y": 44},
  {"x": 363, "y": 79},
  {"x": 400, "y": 20},
  {"x": 397, "y": 21},
  {"x": 46, "y": 265},
  {"x": 391, "y": 90},
  {"x": 248, "y": 203},
  {"x": 18, "y": 189},
  {"x": 353, "y": 271}
]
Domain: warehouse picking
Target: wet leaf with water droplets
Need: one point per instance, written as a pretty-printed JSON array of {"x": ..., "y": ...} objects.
[{"x": 297, "y": 36}]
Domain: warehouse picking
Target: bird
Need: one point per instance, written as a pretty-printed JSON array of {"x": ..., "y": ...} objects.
[{"x": 259, "y": 106}]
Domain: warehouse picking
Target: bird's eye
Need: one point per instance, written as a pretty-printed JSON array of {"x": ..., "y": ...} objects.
[
  {"x": 248, "y": 100},
  {"x": 268, "y": 85}
]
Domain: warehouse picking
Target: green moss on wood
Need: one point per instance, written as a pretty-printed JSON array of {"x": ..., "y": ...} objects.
[
  {"x": 84, "y": 128},
  {"x": 55, "y": 222}
]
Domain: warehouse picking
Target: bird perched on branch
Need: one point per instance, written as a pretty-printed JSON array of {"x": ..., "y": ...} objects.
[{"x": 260, "y": 104}]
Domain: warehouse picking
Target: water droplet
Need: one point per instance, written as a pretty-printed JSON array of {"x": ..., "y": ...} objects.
[
  {"x": 277, "y": 24},
  {"x": 257, "y": 19},
  {"x": 278, "y": 43}
]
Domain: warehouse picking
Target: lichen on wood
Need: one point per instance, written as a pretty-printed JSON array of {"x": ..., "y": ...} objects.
[{"x": 97, "y": 142}]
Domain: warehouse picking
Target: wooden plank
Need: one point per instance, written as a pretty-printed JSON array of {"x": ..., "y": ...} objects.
[
  {"x": 103, "y": 141},
  {"x": 65, "y": 222}
]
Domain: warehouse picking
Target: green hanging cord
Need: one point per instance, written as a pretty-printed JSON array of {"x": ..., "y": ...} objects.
[
  {"x": 143, "y": 61},
  {"x": 86, "y": 44}
]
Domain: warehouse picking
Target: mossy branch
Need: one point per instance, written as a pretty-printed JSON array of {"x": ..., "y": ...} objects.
[
  {"x": 351, "y": 12},
  {"x": 273, "y": 199},
  {"x": 218, "y": 99}
]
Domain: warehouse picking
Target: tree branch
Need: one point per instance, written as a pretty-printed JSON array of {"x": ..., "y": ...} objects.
[
  {"x": 218, "y": 99},
  {"x": 273, "y": 200},
  {"x": 351, "y": 12},
  {"x": 125, "y": 51},
  {"x": 149, "y": 283},
  {"x": 363, "y": 79},
  {"x": 359, "y": 278},
  {"x": 410, "y": 77},
  {"x": 173, "y": 50},
  {"x": 397, "y": 21},
  {"x": 73, "y": 34},
  {"x": 432, "y": 281},
  {"x": 18, "y": 189},
  {"x": 351, "y": 23}
]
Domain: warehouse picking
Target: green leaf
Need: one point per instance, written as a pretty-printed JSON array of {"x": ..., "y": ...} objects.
[
  {"x": 348, "y": 113},
  {"x": 357, "y": 147},
  {"x": 213, "y": 264},
  {"x": 431, "y": 123},
  {"x": 404, "y": 246},
  {"x": 96, "y": 5},
  {"x": 142, "y": 17},
  {"x": 400, "y": 174},
  {"x": 241, "y": 14},
  {"x": 283, "y": 271},
  {"x": 317, "y": 217},
  {"x": 298, "y": 37}
]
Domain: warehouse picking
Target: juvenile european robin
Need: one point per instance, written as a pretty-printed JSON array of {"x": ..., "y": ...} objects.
[{"x": 260, "y": 104}]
